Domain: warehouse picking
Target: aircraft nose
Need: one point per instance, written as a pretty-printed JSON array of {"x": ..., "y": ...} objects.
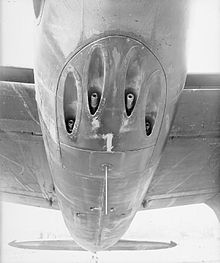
[
  {"x": 112, "y": 92},
  {"x": 93, "y": 229},
  {"x": 100, "y": 192},
  {"x": 110, "y": 102}
]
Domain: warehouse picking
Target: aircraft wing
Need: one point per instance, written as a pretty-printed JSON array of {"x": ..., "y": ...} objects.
[
  {"x": 71, "y": 245},
  {"x": 24, "y": 173},
  {"x": 189, "y": 170}
]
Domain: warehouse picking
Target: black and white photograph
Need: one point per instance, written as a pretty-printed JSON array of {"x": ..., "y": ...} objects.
[{"x": 110, "y": 131}]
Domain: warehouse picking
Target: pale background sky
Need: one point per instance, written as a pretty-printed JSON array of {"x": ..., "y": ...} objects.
[{"x": 194, "y": 228}]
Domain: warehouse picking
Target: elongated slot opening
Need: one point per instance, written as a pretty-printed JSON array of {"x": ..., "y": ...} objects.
[
  {"x": 95, "y": 79},
  {"x": 70, "y": 102}
]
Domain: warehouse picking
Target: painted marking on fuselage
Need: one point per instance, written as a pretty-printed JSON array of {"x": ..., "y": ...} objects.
[{"x": 108, "y": 137}]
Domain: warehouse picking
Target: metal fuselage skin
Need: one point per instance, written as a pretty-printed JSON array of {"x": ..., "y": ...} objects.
[{"x": 131, "y": 54}]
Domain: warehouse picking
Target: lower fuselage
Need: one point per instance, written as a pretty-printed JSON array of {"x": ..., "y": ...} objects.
[{"x": 106, "y": 96}]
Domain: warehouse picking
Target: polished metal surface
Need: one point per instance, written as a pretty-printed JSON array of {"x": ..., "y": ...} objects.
[
  {"x": 115, "y": 50},
  {"x": 108, "y": 79}
]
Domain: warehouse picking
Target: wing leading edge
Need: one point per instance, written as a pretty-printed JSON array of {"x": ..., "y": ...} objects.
[
  {"x": 189, "y": 170},
  {"x": 25, "y": 175}
]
